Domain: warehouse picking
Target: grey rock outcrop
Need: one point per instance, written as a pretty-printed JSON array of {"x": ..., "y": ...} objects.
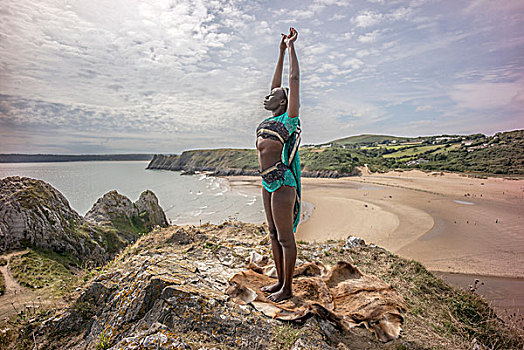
[
  {"x": 117, "y": 210},
  {"x": 148, "y": 203},
  {"x": 169, "y": 291},
  {"x": 110, "y": 207}
]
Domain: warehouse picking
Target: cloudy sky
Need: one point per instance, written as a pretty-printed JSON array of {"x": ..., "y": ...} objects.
[{"x": 118, "y": 76}]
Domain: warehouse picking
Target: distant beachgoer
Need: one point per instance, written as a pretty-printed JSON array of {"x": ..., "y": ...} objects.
[{"x": 278, "y": 138}]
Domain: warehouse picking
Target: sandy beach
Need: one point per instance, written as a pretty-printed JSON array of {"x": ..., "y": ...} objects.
[{"x": 449, "y": 222}]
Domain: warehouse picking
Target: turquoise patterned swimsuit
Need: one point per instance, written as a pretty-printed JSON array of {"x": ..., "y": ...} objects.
[{"x": 286, "y": 172}]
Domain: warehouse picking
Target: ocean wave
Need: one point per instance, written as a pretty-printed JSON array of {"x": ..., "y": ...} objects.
[{"x": 195, "y": 212}]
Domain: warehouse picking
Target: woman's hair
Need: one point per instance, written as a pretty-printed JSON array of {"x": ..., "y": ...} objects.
[{"x": 285, "y": 90}]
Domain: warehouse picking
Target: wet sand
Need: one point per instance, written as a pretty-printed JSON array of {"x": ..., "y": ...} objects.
[
  {"x": 449, "y": 222},
  {"x": 506, "y": 295}
]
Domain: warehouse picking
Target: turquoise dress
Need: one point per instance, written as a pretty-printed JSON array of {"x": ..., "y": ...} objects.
[{"x": 291, "y": 160}]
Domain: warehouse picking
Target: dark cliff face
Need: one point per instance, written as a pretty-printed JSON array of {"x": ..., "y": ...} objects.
[{"x": 35, "y": 214}]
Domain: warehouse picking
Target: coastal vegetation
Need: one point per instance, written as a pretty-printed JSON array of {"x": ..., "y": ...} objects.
[
  {"x": 39, "y": 268},
  {"x": 501, "y": 154}
]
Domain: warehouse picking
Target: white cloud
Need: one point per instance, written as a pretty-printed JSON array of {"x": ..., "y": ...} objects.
[
  {"x": 423, "y": 108},
  {"x": 354, "y": 63},
  {"x": 363, "y": 53},
  {"x": 488, "y": 6},
  {"x": 341, "y": 3},
  {"x": 369, "y": 37},
  {"x": 367, "y": 19},
  {"x": 337, "y": 17},
  {"x": 479, "y": 96},
  {"x": 400, "y": 13}
]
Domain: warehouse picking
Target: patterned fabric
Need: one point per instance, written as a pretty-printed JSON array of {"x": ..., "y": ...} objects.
[
  {"x": 278, "y": 175},
  {"x": 273, "y": 129},
  {"x": 287, "y": 172}
]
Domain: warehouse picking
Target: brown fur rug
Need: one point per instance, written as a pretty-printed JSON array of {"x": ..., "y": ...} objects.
[{"x": 340, "y": 294}]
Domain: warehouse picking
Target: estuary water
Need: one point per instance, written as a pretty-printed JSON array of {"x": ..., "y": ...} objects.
[{"x": 186, "y": 199}]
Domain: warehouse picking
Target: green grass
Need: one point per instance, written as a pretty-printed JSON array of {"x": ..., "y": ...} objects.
[
  {"x": 132, "y": 225},
  {"x": 334, "y": 159},
  {"x": 448, "y": 148},
  {"x": 104, "y": 341},
  {"x": 396, "y": 146},
  {"x": 367, "y": 138},
  {"x": 412, "y": 151},
  {"x": 285, "y": 336},
  {"x": 38, "y": 269}
]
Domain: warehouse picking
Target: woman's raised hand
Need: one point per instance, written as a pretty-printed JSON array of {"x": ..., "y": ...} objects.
[
  {"x": 290, "y": 39},
  {"x": 283, "y": 45}
]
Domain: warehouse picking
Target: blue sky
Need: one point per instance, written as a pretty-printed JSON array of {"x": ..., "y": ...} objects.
[{"x": 123, "y": 76}]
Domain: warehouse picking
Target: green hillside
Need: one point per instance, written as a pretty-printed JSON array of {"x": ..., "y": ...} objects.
[{"x": 502, "y": 153}]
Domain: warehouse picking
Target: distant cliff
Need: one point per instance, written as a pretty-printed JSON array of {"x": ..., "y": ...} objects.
[
  {"x": 225, "y": 162},
  {"x": 42, "y": 158}
]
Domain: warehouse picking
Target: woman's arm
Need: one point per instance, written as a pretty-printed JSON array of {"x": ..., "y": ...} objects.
[
  {"x": 277, "y": 77},
  {"x": 294, "y": 76}
]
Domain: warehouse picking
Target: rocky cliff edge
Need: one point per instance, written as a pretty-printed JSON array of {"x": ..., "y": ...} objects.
[{"x": 169, "y": 291}]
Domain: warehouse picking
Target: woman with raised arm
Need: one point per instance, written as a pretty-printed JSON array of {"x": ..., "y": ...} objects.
[{"x": 278, "y": 138}]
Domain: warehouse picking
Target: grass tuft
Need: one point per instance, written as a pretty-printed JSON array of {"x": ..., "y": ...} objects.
[{"x": 285, "y": 336}]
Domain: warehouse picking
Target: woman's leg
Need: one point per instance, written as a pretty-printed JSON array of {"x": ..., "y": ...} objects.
[
  {"x": 282, "y": 203},
  {"x": 275, "y": 245}
]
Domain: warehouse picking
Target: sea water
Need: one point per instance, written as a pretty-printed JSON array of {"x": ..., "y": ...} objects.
[{"x": 186, "y": 199}]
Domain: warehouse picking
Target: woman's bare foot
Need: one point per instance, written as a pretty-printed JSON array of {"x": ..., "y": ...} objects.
[
  {"x": 282, "y": 294},
  {"x": 272, "y": 288}
]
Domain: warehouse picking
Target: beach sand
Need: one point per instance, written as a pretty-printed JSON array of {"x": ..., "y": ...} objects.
[{"x": 449, "y": 222}]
